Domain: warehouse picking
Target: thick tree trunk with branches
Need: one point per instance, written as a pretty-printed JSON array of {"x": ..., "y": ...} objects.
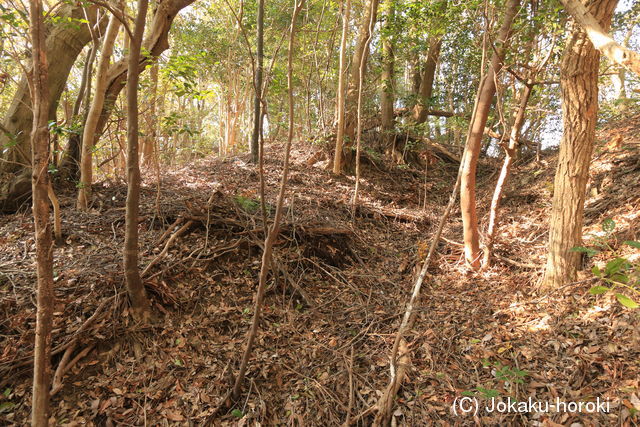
[
  {"x": 64, "y": 43},
  {"x": 62, "y": 47}
]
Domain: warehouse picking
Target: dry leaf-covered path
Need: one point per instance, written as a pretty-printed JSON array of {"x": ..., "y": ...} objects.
[{"x": 331, "y": 308}]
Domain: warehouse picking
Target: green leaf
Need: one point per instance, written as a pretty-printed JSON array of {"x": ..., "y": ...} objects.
[
  {"x": 615, "y": 266},
  {"x": 620, "y": 278},
  {"x": 237, "y": 413},
  {"x": 632, "y": 243},
  {"x": 468, "y": 393},
  {"x": 626, "y": 301},
  {"x": 608, "y": 225},
  {"x": 6, "y": 406},
  {"x": 599, "y": 290},
  {"x": 596, "y": 271},
  {"x": 488, "y": 393}
]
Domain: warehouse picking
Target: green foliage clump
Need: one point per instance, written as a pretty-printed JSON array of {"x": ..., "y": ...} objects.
[{"x": 619, "y": 275}]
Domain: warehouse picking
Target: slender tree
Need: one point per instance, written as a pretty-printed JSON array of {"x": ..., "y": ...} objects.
[
  {"x": 89, "y": 131},
  {"x": 42, "y": 225},
  {"x": 360, "y": 57},
  {"x": 511, "y": 146},
  {"x": 484, "y": 99},
  {"x": 257, "y": 101},
  {"x": 361, "y": 68},
  {"x": 275, "y": 227},
  {"x": 340, "y": 101},
  {"x": 387, "y": 96},
  {"x": 135, "y": 287},
  {"x": 425, "y": 91}
]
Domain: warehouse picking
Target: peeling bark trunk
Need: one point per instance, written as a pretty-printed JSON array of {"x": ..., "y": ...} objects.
[
  {"x": 484, "y": 99},
  {"x": 579, "y": 89}
]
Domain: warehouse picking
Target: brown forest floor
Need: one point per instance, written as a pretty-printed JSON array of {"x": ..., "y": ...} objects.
[{"x": 341, "y": 287}]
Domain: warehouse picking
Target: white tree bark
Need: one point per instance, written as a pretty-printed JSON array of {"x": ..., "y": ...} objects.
[{"x": 600, "y": 38}]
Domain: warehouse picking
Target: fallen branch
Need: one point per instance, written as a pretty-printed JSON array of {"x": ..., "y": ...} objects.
[
  {"x": 164, "y": 252},
  {"x": 277, "y": 265},
  {"x": 169, "y": 230},
  {"x": 56, "y": 384},
  {"x": 28, "y": 359},
  {"x": 66, "y": 367}
]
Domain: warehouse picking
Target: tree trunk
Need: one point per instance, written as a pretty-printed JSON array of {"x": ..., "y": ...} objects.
[
  {"x": 255, "y": 137},
  {"x": 342, "y": 70},
  {"x": 354, "y": 202},
  {"x": 579, "y": 89},
  {"x": 156, "y": 42},
  {"x": 88, "y": 134},
  {"x": 150, "y": 139},
  {"x": 387, "y": 98},
  {"x": 70, "y": 163},
  {"x": 44, "y": 245},
  {"x": 62, "y": 47},
  {"x": 484, "y": 99},
  {"x": 420, "y": 111},
  {"x": 274, "y": 231},
  {"x": 598, "y": 34},
  {"x": 64, "y": 43},
  {"x": 360, "y": 57},
  {"x": 511, "y": 147},
  {"x": 135, "y": 287},
  {"x": 510, "y": 153}
]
